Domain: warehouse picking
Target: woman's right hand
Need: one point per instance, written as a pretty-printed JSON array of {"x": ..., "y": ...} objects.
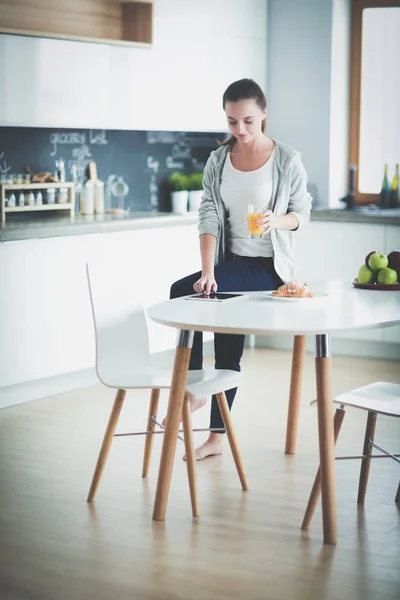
[{"x": 205, "y": 284}]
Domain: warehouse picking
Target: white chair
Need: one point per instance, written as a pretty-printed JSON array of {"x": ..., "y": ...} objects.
[
  {"x": 123, "y": 362},
  {"x": 377, "y": 398}
]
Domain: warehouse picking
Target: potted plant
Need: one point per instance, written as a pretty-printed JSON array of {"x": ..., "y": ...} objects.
[
  {"x": 195, "y": 191},
  {"x": 179, "y": 186}
]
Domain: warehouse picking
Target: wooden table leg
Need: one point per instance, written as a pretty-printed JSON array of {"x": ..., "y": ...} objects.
[
  {"x": 174, "y": 413},
  {"x": 323, "y": 371},
  {"x": 296, "y": 378}
]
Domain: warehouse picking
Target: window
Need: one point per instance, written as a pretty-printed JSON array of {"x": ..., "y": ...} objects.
[{"x": 374, "y": 94}]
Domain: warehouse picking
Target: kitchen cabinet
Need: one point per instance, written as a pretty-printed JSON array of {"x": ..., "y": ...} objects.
[
  {"x": 392, "y": 242},
  {"x": 45, "y": 314},
  {"x": 336, "y": 250},
  {"x": 106, "y": 21},
  {"x": 332, "y": 250}
]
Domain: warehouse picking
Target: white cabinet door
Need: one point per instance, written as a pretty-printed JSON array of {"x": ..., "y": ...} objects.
[
  {"x": 333, "y": 250},
  {"x": 392, "y": 242},
  {"x": 45, "y": 317}
]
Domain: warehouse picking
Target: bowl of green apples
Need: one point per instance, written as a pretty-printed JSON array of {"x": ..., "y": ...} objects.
[{"x": 379, "y": 271}]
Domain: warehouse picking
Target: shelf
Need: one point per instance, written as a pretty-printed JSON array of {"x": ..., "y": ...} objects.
[
  {"x": 36, "y": 186},
  {"x": 126, "y": 23},
  {"x": 69, "y": 206},
  {"x": 37, "y": 207}
]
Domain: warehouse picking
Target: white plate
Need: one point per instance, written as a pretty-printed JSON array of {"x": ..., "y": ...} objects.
[{"x": 316, "y": 296}]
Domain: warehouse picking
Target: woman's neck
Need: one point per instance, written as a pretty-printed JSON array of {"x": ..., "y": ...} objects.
[{"x": 260, "y": 143}]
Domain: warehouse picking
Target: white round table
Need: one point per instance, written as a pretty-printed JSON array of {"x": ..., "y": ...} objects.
[{"x": 344, "y": 308}]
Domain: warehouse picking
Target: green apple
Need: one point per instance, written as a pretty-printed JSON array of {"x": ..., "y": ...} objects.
[
  {"x": 365, "y": 275},
  {"x": 387, "y": 276},
  {"x": 378, "y": 261},
  {"x": 368, "y": 256}
]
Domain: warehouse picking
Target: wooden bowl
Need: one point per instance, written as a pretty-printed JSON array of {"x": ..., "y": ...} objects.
[{"x": 376, "y": 286}]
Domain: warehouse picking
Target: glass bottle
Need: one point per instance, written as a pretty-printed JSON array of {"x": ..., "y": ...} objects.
[
  {"x": 385, "y": 189},
  {"x": 394, "y": 200}
]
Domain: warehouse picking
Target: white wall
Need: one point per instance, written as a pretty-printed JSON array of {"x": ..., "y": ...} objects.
[
  {"x": 339, "y": 109},
  {"x": 308, "y": 60},
  {"x": 199, "y": 48}
]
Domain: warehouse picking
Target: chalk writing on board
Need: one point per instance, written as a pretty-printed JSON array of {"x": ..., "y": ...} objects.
[
  {"x": 170, "y": 163},
  {"x": 153, "y": 188},
  {"x": 161, "y": 137},
  {"x": 76, "y": 138},
  {"x": 99, "y": 138},
  {"x": 205, "y": 140},
  {"x": 152, "y": 164},
  {"x": 180, "y": 152},
  {"x": 4, "y": 168}
]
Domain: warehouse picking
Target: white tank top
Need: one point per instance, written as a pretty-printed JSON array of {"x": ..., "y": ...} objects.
[{"x": 238, "y": 189}]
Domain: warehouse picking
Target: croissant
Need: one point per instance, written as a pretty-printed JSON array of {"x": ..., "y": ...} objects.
[{"x": 293, "y": 289}]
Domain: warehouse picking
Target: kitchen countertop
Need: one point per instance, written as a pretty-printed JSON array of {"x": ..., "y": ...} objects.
[
  {"x": 389, "y": 216},
  {"x": 42, "y": 227},
  {"x": 38, "y": 228}
]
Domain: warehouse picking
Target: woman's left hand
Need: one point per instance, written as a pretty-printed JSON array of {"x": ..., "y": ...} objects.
[{"x": 268, "y": 221}]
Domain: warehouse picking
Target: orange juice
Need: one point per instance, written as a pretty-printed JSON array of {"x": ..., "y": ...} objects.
[{"x": 254, "y": 228}]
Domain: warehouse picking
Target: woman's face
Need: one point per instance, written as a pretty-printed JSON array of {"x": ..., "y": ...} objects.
[{"x": 244, "y": 119}]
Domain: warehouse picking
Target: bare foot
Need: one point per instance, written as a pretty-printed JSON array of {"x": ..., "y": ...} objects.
[
  {"x": 212, "y": 447},
  {"x": 195, "y": 404}
]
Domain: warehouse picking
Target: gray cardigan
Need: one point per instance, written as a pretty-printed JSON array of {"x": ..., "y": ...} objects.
[{"x": 289, "y": 193}]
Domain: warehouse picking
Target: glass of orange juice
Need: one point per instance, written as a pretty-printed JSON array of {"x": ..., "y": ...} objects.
[{"x": 255, "y": 231}]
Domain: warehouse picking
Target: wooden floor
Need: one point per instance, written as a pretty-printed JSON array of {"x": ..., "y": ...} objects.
[{"x": 53, "y": 546}]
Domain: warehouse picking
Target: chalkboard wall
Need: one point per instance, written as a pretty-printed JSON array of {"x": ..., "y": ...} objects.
[{"x": 143, "y": 158}]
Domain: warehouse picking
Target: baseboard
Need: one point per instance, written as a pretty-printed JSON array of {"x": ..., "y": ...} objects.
[
  {"x": 43, "y": 388},
  {"x": 59, "y": 384},
  {"x": 340, "y": 347}
]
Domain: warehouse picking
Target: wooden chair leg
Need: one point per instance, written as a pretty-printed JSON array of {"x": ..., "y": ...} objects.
[
  {"x": 174, "y": 415},
  {"x": 367, "y": 451},
  {"x": 105, "y": 447},
  {"x": 190, "y": 456},
  {"x": 296, "y": 378},
  {"x": 227, "y": 419},
  {"x": 316, "y": 489},
  {"x": 148, "y": 445}
]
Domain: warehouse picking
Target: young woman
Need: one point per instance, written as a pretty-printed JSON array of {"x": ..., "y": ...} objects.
[{"x": 248, "y": 168}]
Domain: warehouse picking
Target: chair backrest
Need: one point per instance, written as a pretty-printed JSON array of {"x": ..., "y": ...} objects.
[{"x": 122, "y": 342}]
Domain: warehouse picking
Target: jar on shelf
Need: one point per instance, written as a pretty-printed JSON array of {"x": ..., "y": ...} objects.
[
  {"x": 18, "y": 178},
  {"x": 26, "y": 178},
  {"x": 50, "y": 197},
  {"x": 62, "y": 196},
  {"x": 87, "y": 199},
  {"x": 11, "y": 200},
  {"x": 98, "y": 197},
  {"x": 21, "y": 199},
  {"x": 31, "y": 199},
  {"x": 39, "y": 198}
]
